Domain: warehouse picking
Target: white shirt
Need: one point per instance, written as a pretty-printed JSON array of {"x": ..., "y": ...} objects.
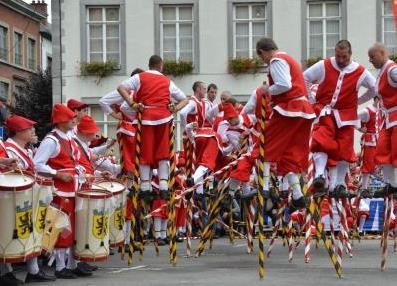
[
  {"x": 250, "y": 106},
  {"x": 191, "y": 108},
  {"x": 48, "y": 148},
  {"x": 316, "y": 74},
  {"x": 109, "y": 99},
  {"x": 134, "y": 83},
  {"x": 281, "y": 75}
]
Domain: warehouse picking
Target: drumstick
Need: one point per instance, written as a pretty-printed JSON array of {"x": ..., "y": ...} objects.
[{"x": 21, "y": 172}]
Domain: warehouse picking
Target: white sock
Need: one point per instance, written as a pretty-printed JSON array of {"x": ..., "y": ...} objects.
[
  {"x": 266, "y": 176},
  {"x": 144, "y": 174},
  {"x": 293, "y": 181},
  {"x": 72, "y": 263},
  {"x": 5, "y": 268},
  {"x": 234, "y": 184},
  {"x": 157, "y": 227},
  {"x": 320, "y": 162},
  {"x": 198, "y": 177},
  {"x": 333, "y": 173},
  {"x": 163, "y": 172},
  {"x": 127, "y": 229},
  {"x": 33, "y": 266},
  {"x": 342, "y": 167},
  {"x": 164, "y": 228},
  {"x": 245, "y": 188},
  {"x": 285, "y": 184},
  {"x": 60, "y": 258},
  {"x": 362, "y": 222},
  {"x": 390, "y": 174},
  {"x": 365, "y": 180}
]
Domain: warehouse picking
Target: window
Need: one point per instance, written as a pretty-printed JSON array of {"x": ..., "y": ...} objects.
[
  {"x": 250, "y": 23},
  {"x": 31, "y": 54},
  {"x": 107, "y": 123},
  {"x": 4, "y": 90},
  {"x": 176, "y": 33},
  {"x": 3, "y": 43},
  {"x": 18, "y": 54},
  {"x": 388, "y": 27},
  {"x": 324, "y": 23},
  {"x": 103, "y": 34}
]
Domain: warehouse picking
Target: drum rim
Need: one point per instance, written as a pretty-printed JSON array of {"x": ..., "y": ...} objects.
[
  {"x": 20, "y": 188},
  {"x": 84, "y": 194},
  {"x": 44, "y": 181},
  {"x": 114, "y": 181}
]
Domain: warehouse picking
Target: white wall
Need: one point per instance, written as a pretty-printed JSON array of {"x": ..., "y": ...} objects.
[{"x": 46, "y": 51}]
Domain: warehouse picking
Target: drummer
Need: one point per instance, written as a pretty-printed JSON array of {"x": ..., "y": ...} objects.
[
  {"x": 21, "y": 132},
  {"x": 58, "y": 156},
  {"x": 5, "y": 162}
]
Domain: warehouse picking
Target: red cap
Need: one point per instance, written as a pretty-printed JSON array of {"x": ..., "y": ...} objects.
[
  {"x": 87, "y": 125},
  {"x": 61, "y": 114},
  {"x": 18, "y": 123},
  {"x": 229, "y": 111},
  {"x": 74, "y": 104}
]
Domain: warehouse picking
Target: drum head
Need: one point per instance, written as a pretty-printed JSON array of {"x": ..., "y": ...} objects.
[
  {"x": 15, "y": 181},
  {"x": 111, "y": 186},
  {"x": 94, "y": 194}
]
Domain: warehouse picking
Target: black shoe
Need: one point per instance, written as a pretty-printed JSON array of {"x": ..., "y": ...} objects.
[
  {"x": 351, "y": 194},
  {"x": 160, "y": 242},
  {"x": 341, "y": 192},
  {"x": 166, "y": 240},
  {"x": 319, "y": 184},
  {"x": 39, "y": 277},
  {"x": 284, "y": 194},
  {"x": 265, "y": 194},
  {"x": 81, "y": 272},
  {"x": 65, "y": 274},
  {"x": 165, "y": 195},
  {"x": 248, "y": 195},
  {"x": 299, "y": 203},
  {"x": 383, "y": 192},
  {"x": 9, "y": 279},
  {"x": 179, "y": 239},
  {"x": 366, "y": 194},
  {"x": 146, "y": 196},
  {"x": 87, "y": 266}
]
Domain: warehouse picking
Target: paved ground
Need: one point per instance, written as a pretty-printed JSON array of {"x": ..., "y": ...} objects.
[{"x": 228, "y": 264}]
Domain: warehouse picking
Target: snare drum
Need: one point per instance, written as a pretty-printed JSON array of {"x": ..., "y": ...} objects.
[
  {"x": 92, "y": 225},
  {"x": 16, "y": 224},
  {"x": 56, "y": 221},
  {"x": 116, "y": 224},
  {"x": 42, "y": 197}
]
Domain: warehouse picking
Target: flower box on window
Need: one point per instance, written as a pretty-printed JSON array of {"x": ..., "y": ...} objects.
[
  {"x": 98, "y": 69},
  {"x": 393, "y": 57},
  {"x": 311, "y": 61},
  {"x": 245, "y": 66},
  {"x": 177, "y": 68}
]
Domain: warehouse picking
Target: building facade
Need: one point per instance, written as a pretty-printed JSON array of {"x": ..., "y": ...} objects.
[
  {"x": 208, "y": 33},
  {"x": 20, "y": 45}
]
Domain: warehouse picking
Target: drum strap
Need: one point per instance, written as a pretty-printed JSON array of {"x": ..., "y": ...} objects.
[
  {"x": 64, "y": 145},
  {"x": 83, "y": 150}
]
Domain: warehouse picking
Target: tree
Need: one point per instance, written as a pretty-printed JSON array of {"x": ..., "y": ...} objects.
[{"x": 35, "y": 101}]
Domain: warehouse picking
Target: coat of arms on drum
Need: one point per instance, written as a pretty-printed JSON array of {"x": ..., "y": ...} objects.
[
  {"x": 118, "y": 218},
  {"x": 23, "y": 220},
  {"x": 40, "y": 217},
  {"x": 100, "y": 227}
]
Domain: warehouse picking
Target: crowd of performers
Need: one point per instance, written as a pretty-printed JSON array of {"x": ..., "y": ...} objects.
[{"x": 307, "y": 119}]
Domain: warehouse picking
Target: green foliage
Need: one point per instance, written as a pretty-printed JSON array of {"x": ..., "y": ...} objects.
[
  {"x": 177, "y": 68},
  {"x": 311, "y": 61},
  {"x": 393, "y": 58},
  {"x": 245, "y": 65},
  {"x": 98, "y": 69},
  {"x": 35, "y": 101}
]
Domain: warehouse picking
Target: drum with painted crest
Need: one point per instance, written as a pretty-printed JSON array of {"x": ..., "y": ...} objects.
[
  {"x": 56, "y": 222},
  {"x": 42, "y": 196},
  {"x": 16, "y": 223},
  {"x": 116, "y": 223},
  {"x": 93, "y": 209}
]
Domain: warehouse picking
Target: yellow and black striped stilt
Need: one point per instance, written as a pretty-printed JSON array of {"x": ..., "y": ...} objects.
[
  {"x": 171, "y": 203},
  {"x": 135, "y": 187},
  {"x": 261, "y": 199}
]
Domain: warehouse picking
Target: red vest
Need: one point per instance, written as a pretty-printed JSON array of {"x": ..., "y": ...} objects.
[
  {"x": 85, "y": 159},
  {"x": 292, "y": 103},
  {"x": 370, "y": 136},
  {"x": 28, "y": 165},
  {"x": 388, "y": 94},
  {"x": 66, "y": 161},
  {"x": 339, "y": 90},
  {"x": 200, "y": 116},
  {"x": 3, "y": 153},
  {"x": 154, "y": 93}
]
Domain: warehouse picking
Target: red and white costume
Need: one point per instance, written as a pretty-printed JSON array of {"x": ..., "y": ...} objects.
[
  {"x": 336, "y": 108},
  {"x": 155, "y": 91},
  {"x": 386, "y": 154}
]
